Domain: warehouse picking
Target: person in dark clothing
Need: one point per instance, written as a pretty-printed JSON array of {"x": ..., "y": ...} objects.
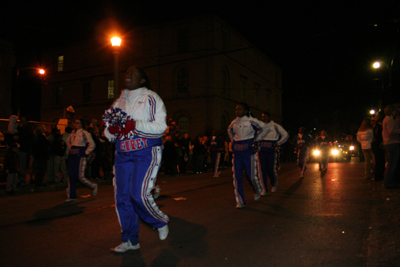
[
  {"x": 184, "y": 145},
  {"x": 215, "y": 146},
  {"x": 96, "y": 162},
  {"x": 11, "y": 167},
  {"x": 40, "y": 154},
  {"x": 198, "y": 155},
  {"x": 25, "y": 138},
  {"x": 169, "y": 156},
  {"x": 57, "y": 150},
  {"x": 377, "y": 147}
]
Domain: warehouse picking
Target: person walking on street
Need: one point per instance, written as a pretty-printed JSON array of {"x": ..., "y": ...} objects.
[
  {"x": 268, "y": 153},
  {"x": 323, "y": 144},
  {"x": 136, "y": 123},
  {"x": 302, "y": 142},
  {"x": 215, "y": 146},
  {"x": 80, "y": 144},
  {"x": 245, "y": 131}
]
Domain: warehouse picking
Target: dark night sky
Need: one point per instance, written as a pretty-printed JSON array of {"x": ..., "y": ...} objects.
[{"x": 325, "y": 48}]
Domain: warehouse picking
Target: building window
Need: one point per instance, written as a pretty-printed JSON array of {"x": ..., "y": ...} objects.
[
  {"x": 86, "y": 92},
  {"x": 183, "y": 124},
  {"x": 60, "y": 63},
  {"x": 183, "y": 81},
  {"x": 110, "y": 89},
  {"x": 58, "y": 95},
  {"x": 183, "y": 41}
]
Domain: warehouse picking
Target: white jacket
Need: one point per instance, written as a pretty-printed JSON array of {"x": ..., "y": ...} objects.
[
  {"x": 365, "y": 138},
  {"x": 81, "y": 138},
  {"x": 245, "y": 128},
  {"x": 146, "y": 108},
  {"x": 277, "y": 133}
]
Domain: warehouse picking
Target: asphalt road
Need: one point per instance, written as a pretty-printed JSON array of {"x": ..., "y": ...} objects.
[{"x": 334, "y": 220}]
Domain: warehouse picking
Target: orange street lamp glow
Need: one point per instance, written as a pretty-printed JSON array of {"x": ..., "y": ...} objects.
[
  {"x": 41, "y": 71},
  {"x": 115, "y": 41}
]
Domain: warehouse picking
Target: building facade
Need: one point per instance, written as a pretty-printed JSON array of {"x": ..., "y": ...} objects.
[
  {"x": 7, "y": 64},
  {"x": 201, "y": 67}
]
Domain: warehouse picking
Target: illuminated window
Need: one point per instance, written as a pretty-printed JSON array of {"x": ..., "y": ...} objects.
[
  {"x": 183, "y": 124},
  {"x": 110, "y": 89},
  {"x": 60, "y": 63}
]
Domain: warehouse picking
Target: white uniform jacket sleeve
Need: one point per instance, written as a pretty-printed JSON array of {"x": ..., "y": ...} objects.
[
  {"x": 262, "y": 131},
  {"x": 89, "y": 141},
  {"x": 284, "y": 134},
  {"x": 157, "y": 124}
]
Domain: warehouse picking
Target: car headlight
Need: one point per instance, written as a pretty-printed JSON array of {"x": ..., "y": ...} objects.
[
  {"x": 316, "y": 152},
  {"x": 335, "y": 152},
  {"x": 351, "y": 147}
]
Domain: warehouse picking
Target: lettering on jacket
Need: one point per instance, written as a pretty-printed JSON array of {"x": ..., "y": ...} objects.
[
  {"x": 239, "y": 147},
  {"x": 133, "y": 144}
]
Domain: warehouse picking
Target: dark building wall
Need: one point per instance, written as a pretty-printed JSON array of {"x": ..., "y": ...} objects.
[{"x": 200, "y": 67}]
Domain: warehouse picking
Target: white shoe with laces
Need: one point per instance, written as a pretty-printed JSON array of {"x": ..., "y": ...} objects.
[
  {"x": 257, "y": 196},
  {"x": 163, "y": 232},
  {"x": 125, "y": 246},
  {"x": 239, "y": 206}
]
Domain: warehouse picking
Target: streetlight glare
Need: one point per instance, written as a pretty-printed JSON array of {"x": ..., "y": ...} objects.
[
  {"x": 41, "y": 71},
  {"x": 376, "y": 65},
  {"x": 372, "y": 112},
  {"x": 115, "y": 41}
]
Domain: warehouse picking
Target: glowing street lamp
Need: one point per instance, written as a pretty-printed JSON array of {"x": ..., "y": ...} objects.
[
  {"x": 377, "y": 65},
  {"x": 372, "y": 112},
  {"x": 116, "y": 43}
]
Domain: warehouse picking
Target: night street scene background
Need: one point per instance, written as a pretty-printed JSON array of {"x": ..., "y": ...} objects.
[{"x": 324, "y": 48}]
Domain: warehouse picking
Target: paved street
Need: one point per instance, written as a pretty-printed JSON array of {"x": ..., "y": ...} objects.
[{"x": 336, "y": 220}]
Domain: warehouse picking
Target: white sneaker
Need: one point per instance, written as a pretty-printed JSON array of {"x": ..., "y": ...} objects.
[
  {"x": 125, "y": 246},
  {"x": 70, "y": 200},
  {"x": 257, "y": 196},
  {"x": 274, "y": 189},
  {"x": 94, "y": 192},
  {"x": 239, "y": 206},
  {"x": 163, "y": 232}
]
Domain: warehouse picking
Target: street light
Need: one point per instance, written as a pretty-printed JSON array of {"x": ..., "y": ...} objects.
[
  {"x": 116, "y": 43},
  {"x": 377, "y": 65},
  {"x": 40, "y": 71}
]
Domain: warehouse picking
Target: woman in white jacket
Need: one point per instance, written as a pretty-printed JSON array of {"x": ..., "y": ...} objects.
[{"x": 365, "y": 136}]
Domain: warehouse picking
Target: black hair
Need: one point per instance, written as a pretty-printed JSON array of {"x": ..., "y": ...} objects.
[
  {"x": 144, "y": 76},
  {"x": 68, "y": 129},
  {"x": 267, "y": 114},
  {"x": 247, "y": 108},
  {"x": 83, "y": 123}
]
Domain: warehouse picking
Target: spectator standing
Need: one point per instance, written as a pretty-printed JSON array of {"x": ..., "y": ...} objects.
[
  {"x": 365, "y": 137},
  {"x": 96, "y": 161},
  {"x": 40, "y": 155},
  {"x": 184, "y": 144},
  {"x": 169, "y": 156},
  {"x": 198, "y": 155},
  {"x": 57, "y": 150},
  {"x": 377, "y": 148},
  {"x": 65, "y": 136},
  {"x": 391, "y": 141},
  {"x": 11, "y": 167},
  {"x": 25, "y": 138}
]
